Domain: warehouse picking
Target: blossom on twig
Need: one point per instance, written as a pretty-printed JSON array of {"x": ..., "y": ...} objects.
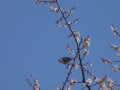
[
  {"x": 87, "y": 82},
  {"x": 70, "y": 49},
  {"x": 72, "y": 82},
  {"x": 36, "y": 85},
  {"x": 86, "y": 42},
  {"x": 76, "y": 35},
  {"x": 115, "y": 68},
  {"x": 54, "y": 9},
  {"x": 115, "y": 47},
  {"x": 85, "y": 52},
  {"x": 118, "y": 54},
  {"x": 115, "y": 30},
  {"x": 107, "y": 61},
  {"x": 105, "y": 83}
]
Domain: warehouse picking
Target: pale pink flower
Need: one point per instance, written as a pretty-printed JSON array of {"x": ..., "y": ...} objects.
[
  {"x": 72, "y": 82},
  {"x": 116, "y": 68},
  {"x": 86, "y": 42},
  {"x": 54, "y": 9},
  {"x": 115, "y": 30},
  {"x": 106, "y": 61},
  {"x": 85, "y": 52},
  {"x": 70, "y": 49},
  {"x": 115, "y": 47},
  {"x": 68, "y": 88},
  {"x": 118, "y": 54},
  {"x": 75, "y": 65},
  {"x": 36, "y": 85}
]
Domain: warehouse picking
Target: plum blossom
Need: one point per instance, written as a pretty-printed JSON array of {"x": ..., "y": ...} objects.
[
  {"x": 90, "y": 63},
  {"x": 70, "y": 49},
  {"x": 101, "y": 81},
  {"x": 54, "y": 9},
  {"x": 110, "y": 83},
  {"x": 69, "y": 11},
  {"x": 76, "y": 35},
  {"x": 107, "y": 61},
  {"x": 87, "y": 82},
  {"x": 85, "y": 52},
  {"x": 75, "y": 65},
  {"x": 57, "y": 87},
  {"x": 36, "y": 85},
  {"x": 68, "y": 88},
  {"x": 116, "y": 68},
  {"x": 115, "y": 30},
  {"x": 86, "y": 42},
  {"x": 115, "y": 47},
  {"x": 118, "y": 54},
  {"x": 105, "y": 83},
  {"x": 72, "y": 82}
]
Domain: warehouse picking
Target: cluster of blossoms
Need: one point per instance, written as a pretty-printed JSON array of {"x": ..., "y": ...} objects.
[
  {"x": 87, "y": 82},
  {"x": 34, "y": 83},
  {"x": 86, "y": 42},
  {"x": 105, "y": 83},
  {"x": 45, "y": 2},
  {"x": 115, "y": 47},
  {"x": 85, "y": 52},
  {"x": 115, "y": 67},
  {"x": 71, "y": 51},
  {"x": 76, "y": 35},
  {"x": 54, "y": 9},
  {"x": 63, "y": 21},
  {"x": 107, "y": 61},
  {"x": 115, "y": 30}
]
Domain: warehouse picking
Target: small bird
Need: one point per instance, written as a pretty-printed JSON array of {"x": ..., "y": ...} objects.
[{"x": 65, "y": 60}]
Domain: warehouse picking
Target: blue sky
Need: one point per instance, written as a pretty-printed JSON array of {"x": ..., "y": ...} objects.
[{"x": 31, "y": 43}]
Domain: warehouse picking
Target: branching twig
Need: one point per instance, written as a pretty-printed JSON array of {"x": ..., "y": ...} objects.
[{"x": 78, "y": 47}]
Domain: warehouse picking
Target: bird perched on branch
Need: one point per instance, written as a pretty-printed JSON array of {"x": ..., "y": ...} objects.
[{"x": 65, "y": 60}]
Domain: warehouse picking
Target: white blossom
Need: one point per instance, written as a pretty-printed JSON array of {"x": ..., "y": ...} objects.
[
  {"x": 116, "y": 68},
  {"x": 70, "y": 49},
  {"x": 110, "y": 83},
  {"x": 115, "y": 30},
  {"x": 75, "y": 65},
  {"x": 90, "y": 63},
  {"x": 85, "y": 52},
  {"x": 105, "y": 83},
  {"x": 88, "y": 81},
  {"x": 77, "y": 35},
  {"x": 36, "y": 85},
  {"x": 115, "y": 47},
  {"x": 57, "y": 87},
  {"x": 54, "y": 9},
  {"x": 118, "y": 54},
  {"x": 106, "y": 61},
  {"x": 68, "y": 88},
  {"x": 101, "y": 81},
  {"x": 72, "y": 82},
  {"x": 86, "y": 42}
]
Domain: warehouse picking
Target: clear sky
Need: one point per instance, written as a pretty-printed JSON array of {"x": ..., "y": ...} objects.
[{"x": 31, "y": 43}]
